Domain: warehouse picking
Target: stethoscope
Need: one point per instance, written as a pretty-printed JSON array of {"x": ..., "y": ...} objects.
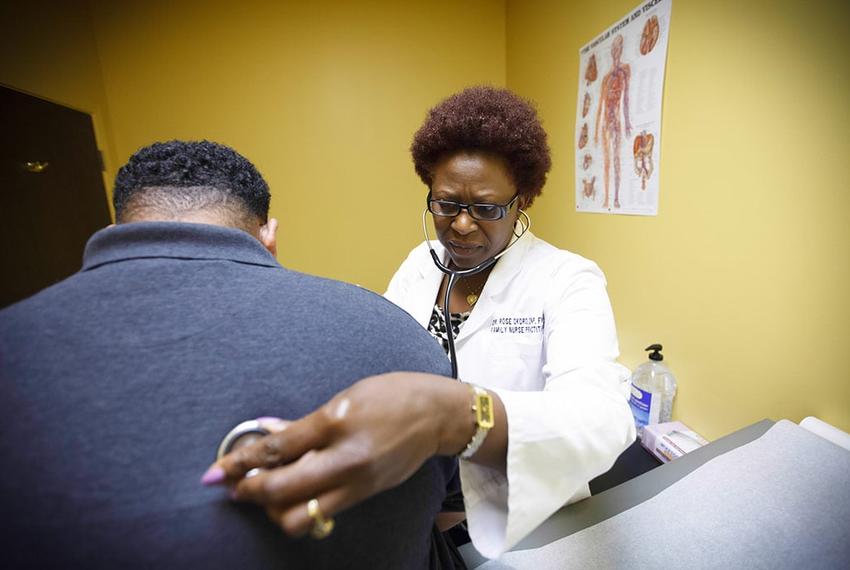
[
  {"x": 250, "y": 431},
  {"x": 457, "y": 274}
]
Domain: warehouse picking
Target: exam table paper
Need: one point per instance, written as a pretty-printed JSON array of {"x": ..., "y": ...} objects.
[{"x": 781, "y": 501}]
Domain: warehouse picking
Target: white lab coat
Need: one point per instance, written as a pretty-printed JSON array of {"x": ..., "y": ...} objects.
[{"x": 542, "y": 337}]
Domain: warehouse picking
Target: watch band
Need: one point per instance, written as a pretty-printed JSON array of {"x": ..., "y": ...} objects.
[{"x": 482, "y": 407}]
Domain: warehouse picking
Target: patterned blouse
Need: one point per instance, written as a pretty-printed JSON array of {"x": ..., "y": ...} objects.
[{"x": 437, "y": 326}]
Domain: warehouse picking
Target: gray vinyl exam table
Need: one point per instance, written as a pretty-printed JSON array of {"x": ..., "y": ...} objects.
[{"x": 771, "y": 495}]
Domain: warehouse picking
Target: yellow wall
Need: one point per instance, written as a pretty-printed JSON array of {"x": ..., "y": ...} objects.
[
  {"x": 743, "y": 275},
  {"x": 322, "y": 96},
  {"x": 48, "y": 49}
]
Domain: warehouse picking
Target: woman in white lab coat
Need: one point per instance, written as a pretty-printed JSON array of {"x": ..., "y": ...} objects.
[
  {"x": 536, "y": 329},
  {"x": 536, "y": 349}
]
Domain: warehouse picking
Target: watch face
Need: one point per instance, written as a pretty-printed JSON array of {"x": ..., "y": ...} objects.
[
  {"x": 484, "y": 409},
  {"x": 245, "y": 433}
]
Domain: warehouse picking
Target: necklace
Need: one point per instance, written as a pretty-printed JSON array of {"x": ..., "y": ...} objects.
[{"x": 471, "y": 295}]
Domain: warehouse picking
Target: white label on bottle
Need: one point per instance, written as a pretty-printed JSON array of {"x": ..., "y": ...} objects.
[{"x": 645, "y": 408}]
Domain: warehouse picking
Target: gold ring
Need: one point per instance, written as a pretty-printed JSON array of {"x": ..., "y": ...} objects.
[{"x": 322, "y": 526}]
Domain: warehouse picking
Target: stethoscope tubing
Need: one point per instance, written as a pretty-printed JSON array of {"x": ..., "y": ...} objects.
[{"x": 455, "y": 274}]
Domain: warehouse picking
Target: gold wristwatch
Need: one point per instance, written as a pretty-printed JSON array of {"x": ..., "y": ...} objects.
[{"x": 482, "y": 407}]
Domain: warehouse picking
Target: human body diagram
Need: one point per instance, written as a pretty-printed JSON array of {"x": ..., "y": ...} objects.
[
  {"x": 614, "y": 96},
  {"x": 618, "y": 113}
]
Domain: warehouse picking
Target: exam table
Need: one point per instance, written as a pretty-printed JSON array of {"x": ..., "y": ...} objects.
[{"x": 771, "y": 495}]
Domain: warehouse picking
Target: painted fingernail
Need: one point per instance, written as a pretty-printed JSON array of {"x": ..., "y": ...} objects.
[
  {"x": 269, "y": 420},
  {"x": 213, "y": 476}
]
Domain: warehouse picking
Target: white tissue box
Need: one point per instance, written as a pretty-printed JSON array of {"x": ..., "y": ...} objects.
[{"x": 670, "y": 440}]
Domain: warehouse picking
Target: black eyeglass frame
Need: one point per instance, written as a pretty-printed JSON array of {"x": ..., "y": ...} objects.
[{"x": 503, "y": 208}]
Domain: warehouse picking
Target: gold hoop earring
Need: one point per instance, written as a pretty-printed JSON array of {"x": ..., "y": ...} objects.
[{"x": 524, "y": 227}]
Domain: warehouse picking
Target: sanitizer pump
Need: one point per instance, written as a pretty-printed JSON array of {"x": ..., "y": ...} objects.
[{"x": 653, "y": 390}]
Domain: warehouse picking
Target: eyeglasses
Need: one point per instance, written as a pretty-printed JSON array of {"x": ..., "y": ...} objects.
[{"x": 480, "y": 212}]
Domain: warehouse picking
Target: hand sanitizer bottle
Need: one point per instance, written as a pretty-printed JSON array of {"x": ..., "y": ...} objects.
[{"x": 653, "y": 390}]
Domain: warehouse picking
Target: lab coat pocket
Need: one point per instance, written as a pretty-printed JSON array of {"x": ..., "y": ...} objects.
[{"x": 516, "y": 362}]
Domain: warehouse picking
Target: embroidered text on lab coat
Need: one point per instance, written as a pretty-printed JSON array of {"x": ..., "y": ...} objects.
[{"x": 517, "y": 325}]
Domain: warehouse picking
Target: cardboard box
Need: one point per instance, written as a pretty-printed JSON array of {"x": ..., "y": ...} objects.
[{"x": 670, "y": 440}]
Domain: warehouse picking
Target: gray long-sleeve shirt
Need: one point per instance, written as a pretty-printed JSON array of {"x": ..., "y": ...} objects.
[{"x": 117, "y": 384}]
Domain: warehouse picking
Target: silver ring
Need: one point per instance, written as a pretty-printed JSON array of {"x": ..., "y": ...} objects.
[{"x": 245, "y": 428}]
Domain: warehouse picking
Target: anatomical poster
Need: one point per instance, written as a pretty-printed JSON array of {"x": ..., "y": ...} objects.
[{"x": 618, "y": 115}]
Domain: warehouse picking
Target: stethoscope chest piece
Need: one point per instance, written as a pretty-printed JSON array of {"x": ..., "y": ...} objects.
[{"x": 250, "y": 428}]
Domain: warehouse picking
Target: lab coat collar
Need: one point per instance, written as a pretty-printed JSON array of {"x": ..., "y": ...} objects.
[
  {"x": 506, "y": 269},
  {"x": 509, "y": 265}
]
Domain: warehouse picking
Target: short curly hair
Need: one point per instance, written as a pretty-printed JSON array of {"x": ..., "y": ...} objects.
[
  {"x": 178, "y": 176},
  {"x": 491, "y": 120}
]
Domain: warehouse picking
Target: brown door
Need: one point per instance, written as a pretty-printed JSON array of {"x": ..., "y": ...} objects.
[{"x": 51, "y": 193}]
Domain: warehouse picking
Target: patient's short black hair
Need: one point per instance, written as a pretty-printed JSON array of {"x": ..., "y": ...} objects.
[{"x": 176, "y": 177}]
